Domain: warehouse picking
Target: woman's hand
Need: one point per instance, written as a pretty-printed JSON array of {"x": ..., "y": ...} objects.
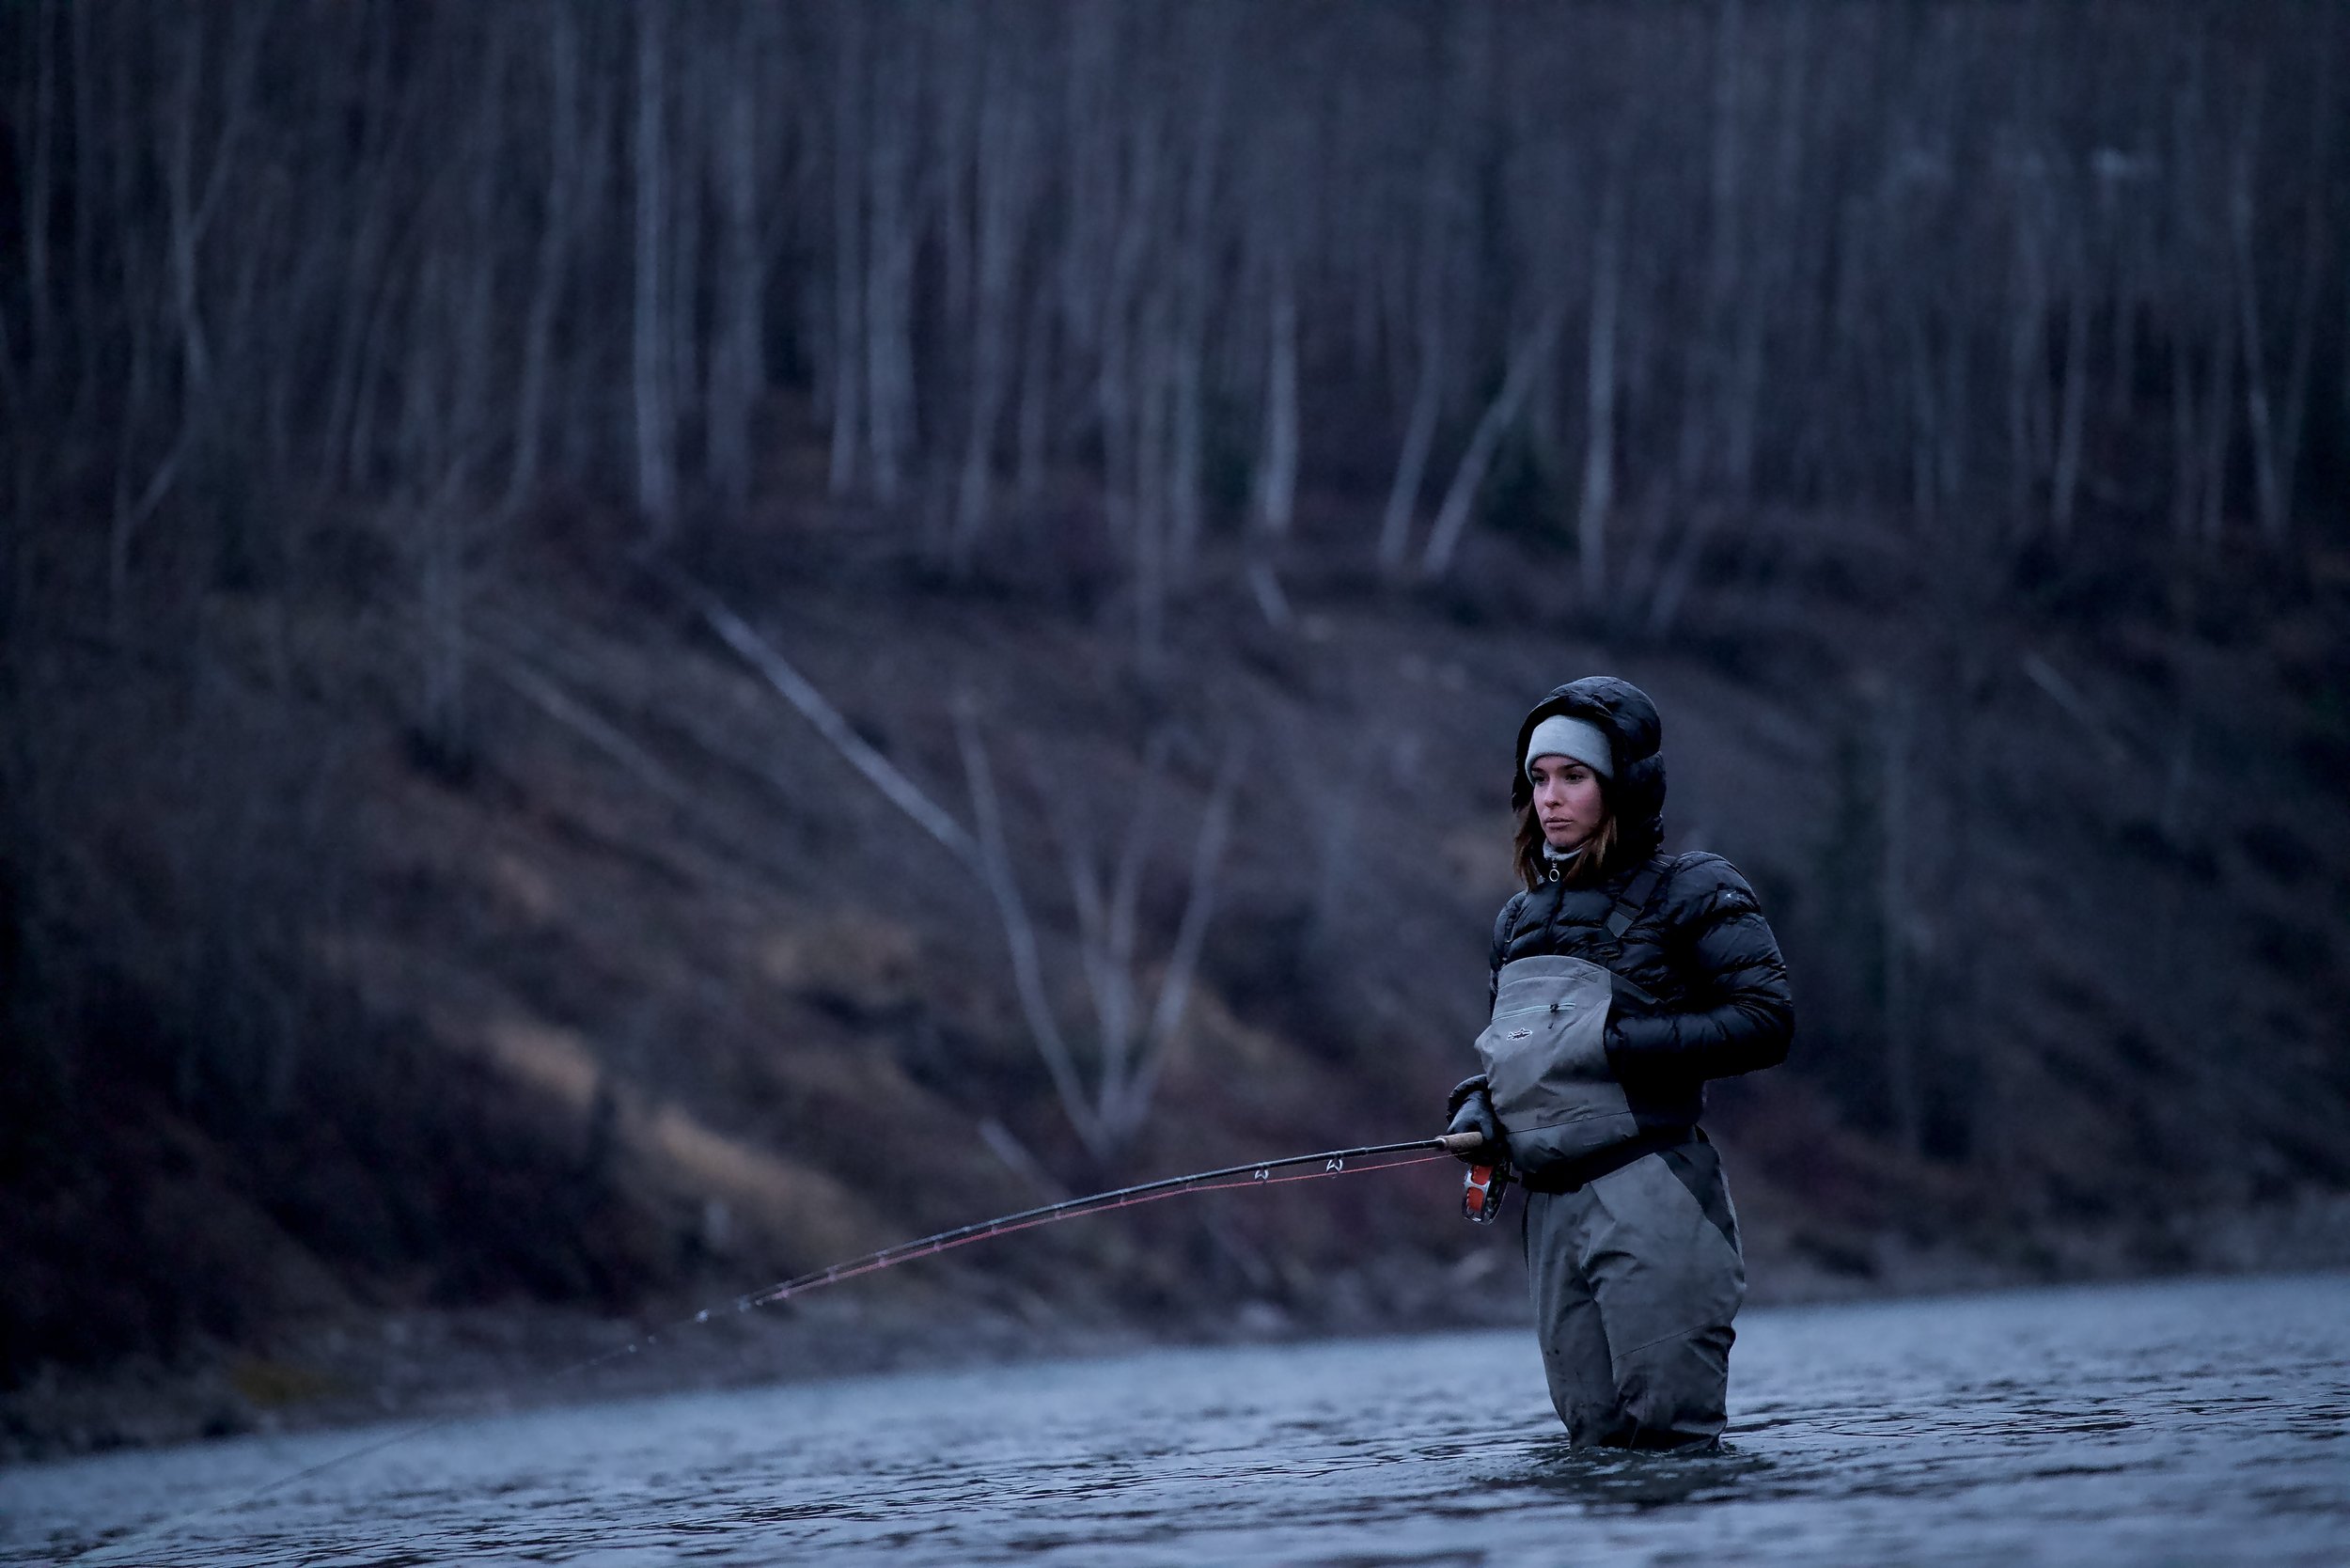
[{"x": 1471, "y": 1106}]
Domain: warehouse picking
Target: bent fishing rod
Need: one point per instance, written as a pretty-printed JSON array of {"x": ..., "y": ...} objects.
[
  {"x": 1293, "y": 1168},
  {"x": 1328, "y": 1163}
]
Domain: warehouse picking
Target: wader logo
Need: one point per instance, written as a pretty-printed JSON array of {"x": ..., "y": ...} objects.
[{"x": 1520, "y": 1034}]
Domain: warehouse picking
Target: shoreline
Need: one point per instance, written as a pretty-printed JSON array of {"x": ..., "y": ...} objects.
[{"x": 357, "y": 1368}]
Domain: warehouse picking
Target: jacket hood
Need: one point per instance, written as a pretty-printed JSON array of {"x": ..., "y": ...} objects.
[{"x": 1624, "y": 713}]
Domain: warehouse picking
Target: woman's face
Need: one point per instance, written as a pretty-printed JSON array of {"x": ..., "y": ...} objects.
[{"x": 1567, "y": 801}]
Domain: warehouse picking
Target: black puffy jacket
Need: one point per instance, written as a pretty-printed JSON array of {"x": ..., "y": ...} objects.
[{"x": 1701, "y": 990}]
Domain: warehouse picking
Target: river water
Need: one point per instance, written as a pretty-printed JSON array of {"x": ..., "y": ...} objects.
[{"x": 2188, "y": 1423}]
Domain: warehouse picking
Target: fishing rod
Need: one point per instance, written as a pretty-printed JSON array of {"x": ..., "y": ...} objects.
[
  {"x": 1331, "y": 1162},
  {"x": 1301, "y": 1167}
]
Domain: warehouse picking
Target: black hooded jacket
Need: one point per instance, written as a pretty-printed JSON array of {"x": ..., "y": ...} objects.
[{"x": 1700, "y": 989}]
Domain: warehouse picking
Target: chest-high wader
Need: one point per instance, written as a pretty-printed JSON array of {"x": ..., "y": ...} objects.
[
  {"x": 1545, "y": 1051},
  {"x": 1631, "y": 1244}
]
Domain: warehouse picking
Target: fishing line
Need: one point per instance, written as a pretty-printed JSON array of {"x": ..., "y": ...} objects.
[{"x": 1331, "y": 1162}]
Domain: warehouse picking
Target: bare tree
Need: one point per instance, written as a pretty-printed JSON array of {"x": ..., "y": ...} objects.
[
  {"x": 738, "y": 350},
  {"x": 1106, "y": 1100},
  {"x": 1122, "y": 261},
  {"x": 562, "y": 203},
  {"x": 845, "y": 389},
  {"x": 893, "y": 239},
  {"x": 654, "y": 369},
  {"x": 1528, "y": 358},
  {"x": 1599, "y": 394},
  {"x": 1005, "y": 180}
]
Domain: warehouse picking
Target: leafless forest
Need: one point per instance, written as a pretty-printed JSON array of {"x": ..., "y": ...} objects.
[{"x": 423, "y": 417}]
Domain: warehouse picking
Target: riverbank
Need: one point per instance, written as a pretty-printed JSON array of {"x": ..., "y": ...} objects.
[{"x": 486, "y": 1361}]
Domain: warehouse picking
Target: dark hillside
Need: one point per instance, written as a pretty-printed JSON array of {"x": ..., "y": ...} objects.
[{"x": 657, "y": 997}]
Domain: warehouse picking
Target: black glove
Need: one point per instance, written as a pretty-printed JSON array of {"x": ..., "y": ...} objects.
[{"x": 1472, "y": 1108}]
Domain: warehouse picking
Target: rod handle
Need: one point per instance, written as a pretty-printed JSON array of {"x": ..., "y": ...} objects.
[{"x": 1460, "y": 1143}]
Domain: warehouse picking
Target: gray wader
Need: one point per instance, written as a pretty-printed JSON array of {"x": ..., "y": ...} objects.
[{"x": 1634, "y": 1263}]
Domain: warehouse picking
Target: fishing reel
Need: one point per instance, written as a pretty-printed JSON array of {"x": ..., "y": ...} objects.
[{"x": 1482, "y": 1188}]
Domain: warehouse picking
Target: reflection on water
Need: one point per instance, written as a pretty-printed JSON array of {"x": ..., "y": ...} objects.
[{"x": 2183, "y": 1424}]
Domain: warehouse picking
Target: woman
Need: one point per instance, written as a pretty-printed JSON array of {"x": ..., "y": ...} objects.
[{"x": 1622, "y": 978}]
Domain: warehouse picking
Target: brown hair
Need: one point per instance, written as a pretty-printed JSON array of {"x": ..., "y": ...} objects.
[{"x": 1592, "y": 866}]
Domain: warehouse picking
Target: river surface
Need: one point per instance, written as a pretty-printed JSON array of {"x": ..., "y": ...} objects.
[{"x": 2188, "y": 1423}]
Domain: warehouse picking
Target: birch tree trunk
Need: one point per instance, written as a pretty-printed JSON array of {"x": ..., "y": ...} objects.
[
  {"x": 890, "y": 367},
  {"x": 1276, "y": 469},
  {"x": 848, "y": 154},
  {"x": 737, "y": 370},
  {"x": 652, "y": 369},
  {"x": 2073, "y": 416},
  {"x": 1195, "y": 246},
  {"x": 1003, "y": 185},
  {"x": 563, "y": 133},
  {"x": 1420, "y": 430},
  {"x": 1529, "y": 360},
  {"x": 1598, "y": 499}
]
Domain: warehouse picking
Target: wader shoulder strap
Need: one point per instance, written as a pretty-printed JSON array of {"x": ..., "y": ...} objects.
[{"x": 1635, "y": 897}]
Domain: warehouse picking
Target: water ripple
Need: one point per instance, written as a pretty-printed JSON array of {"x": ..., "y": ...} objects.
[{"x": 2183, "y": 1424}]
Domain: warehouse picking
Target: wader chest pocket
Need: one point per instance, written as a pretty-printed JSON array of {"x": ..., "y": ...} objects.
[{"x": 1545, "y": 1061}]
